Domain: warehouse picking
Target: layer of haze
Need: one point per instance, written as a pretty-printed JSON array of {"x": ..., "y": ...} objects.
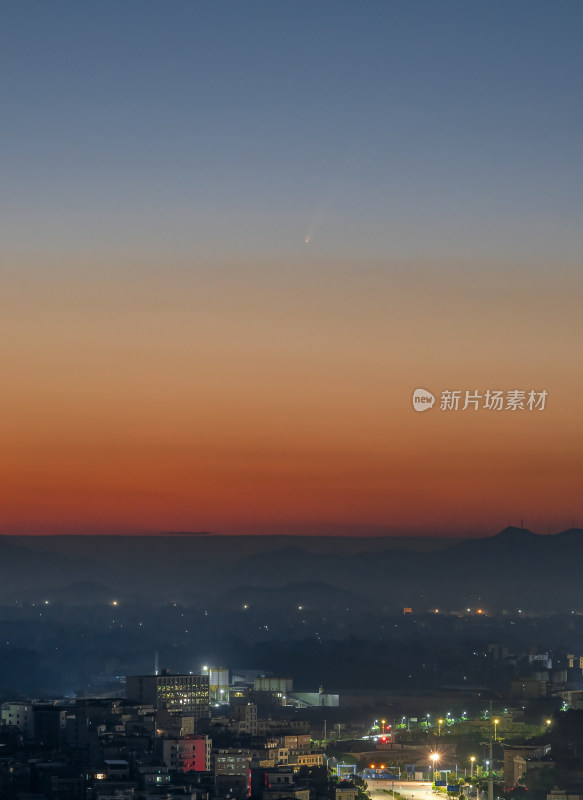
[{"x": 174, "y": 357}]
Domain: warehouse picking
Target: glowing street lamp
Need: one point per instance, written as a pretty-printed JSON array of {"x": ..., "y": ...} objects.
[
  {"x": 435, "y": 758},
  {"x": 439, "y": 724},
  {"x": 383, "y": 723},
  {"x": 496, "y": 723},
  {"x": 472, "y": 762}
]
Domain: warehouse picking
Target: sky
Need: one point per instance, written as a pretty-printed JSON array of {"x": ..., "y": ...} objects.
[{"x": 175, "y": 356}]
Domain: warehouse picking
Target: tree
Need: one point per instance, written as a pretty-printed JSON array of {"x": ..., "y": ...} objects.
[
  {"x": 539, "y": 781},
  {"x": 362, "y": 787}
]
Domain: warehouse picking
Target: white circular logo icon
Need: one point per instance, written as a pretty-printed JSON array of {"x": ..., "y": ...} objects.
[{"x": 422, "y": 400}]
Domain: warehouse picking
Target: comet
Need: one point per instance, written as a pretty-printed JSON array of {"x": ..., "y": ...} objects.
[{"x": 314, "y": 224}]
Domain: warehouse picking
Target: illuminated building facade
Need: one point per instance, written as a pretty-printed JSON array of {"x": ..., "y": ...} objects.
[
  {"x": 180, "y": 694},
  {"x": 187, "y": 754}
]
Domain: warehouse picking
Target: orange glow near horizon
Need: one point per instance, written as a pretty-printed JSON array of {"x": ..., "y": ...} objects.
[{"x": 276, "y": 399}]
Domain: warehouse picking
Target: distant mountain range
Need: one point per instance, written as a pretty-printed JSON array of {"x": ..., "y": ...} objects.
[{"x": 515, "y": 569}]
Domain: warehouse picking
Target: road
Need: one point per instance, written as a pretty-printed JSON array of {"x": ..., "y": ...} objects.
[{"x": 412, "y": 790}]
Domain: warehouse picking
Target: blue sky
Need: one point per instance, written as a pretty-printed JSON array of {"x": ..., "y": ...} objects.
[{"x": 401, "y": 126}]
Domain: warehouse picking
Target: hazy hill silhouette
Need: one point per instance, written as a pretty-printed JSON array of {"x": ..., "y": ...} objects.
[{"x": 516, "y": 568}]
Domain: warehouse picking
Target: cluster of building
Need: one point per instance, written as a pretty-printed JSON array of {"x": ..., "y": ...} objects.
[
  {"x": 225, "y": 735},
  {"x": 542, "y": 679},
  {"x": 159, "y": 741}
]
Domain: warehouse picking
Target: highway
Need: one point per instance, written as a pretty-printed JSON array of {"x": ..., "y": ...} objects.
[{"x": 412, "y": 790}]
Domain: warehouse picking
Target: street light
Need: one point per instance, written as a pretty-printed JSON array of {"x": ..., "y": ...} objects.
[
  {"x": 496, "y": 723},
  {"x": 472, "y": 762},
  {"x": 383, "y": 723},
  {"x": 435, "y": 758},
  {"x": 439, "y": 724}
]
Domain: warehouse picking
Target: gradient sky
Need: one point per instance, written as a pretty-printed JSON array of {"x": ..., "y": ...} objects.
[{"x": 175, "y": 358}]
